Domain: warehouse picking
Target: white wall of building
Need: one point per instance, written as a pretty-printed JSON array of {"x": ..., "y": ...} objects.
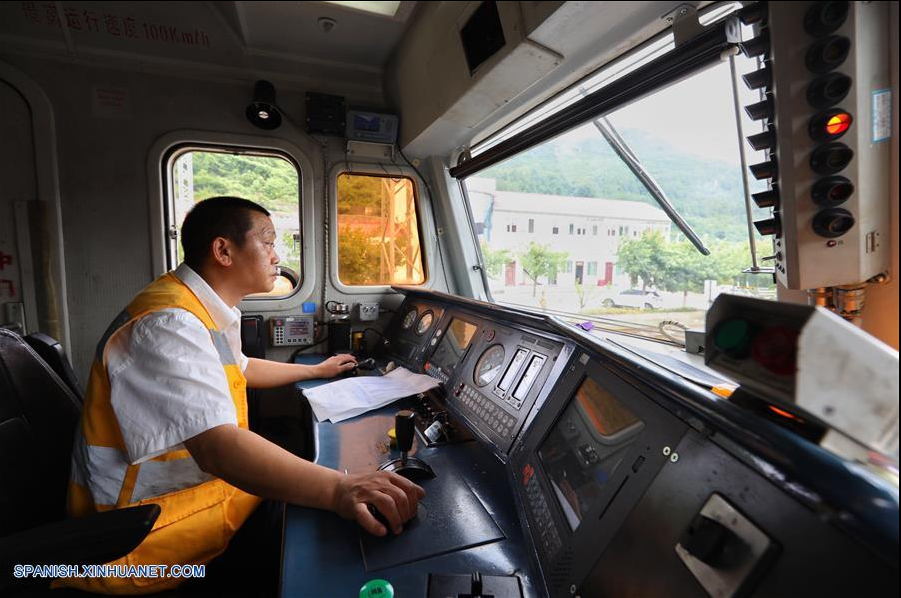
[{"x": 589, "y": 230}]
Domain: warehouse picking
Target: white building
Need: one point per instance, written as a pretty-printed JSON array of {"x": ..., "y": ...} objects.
[{"x": 588, "y": 229}]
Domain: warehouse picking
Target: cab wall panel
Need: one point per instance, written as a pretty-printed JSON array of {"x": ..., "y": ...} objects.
[{"x": 102, "y": 156}]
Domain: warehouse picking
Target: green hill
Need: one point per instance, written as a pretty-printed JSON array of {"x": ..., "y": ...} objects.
[{"x": 707, "y": 193}]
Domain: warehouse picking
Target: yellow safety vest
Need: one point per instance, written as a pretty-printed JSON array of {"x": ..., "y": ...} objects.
[{"x": 200, "y": 513}]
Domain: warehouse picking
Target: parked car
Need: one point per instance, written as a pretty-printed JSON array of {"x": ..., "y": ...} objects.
[{"x": 633, "y": 298}]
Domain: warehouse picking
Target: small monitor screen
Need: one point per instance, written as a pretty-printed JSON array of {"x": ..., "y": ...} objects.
[
  {"x": 453, "y": 344},
  {"x": 367, "y": 122},
  {"x": 585, "y": 446}
]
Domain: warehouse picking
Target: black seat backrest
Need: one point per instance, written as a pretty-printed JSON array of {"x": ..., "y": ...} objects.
[
  {"x": 38, "y": 418},
  {"x": 52, "y": 352}
]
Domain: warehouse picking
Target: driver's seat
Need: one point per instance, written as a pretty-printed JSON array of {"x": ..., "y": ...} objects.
[{"x": 38, "y": 416}]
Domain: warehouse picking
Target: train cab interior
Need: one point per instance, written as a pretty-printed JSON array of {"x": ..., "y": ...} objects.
[{"x": 621, "y": 278}]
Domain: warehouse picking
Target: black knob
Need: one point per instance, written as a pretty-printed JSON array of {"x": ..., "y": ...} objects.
[
  {"x": 404, "y": 425},
  {"x": 833, "y": 222}
]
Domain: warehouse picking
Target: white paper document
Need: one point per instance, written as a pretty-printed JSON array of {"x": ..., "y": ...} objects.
[{"x": 347, "y": 398}]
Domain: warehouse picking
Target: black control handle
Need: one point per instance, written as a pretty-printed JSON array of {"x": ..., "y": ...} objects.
[{"x": 403, "y": 429}]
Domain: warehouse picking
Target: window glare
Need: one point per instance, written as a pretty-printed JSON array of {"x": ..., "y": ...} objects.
[{"x": 378, "y": 231}]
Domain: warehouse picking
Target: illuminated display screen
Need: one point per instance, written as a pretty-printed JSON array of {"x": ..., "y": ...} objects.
[
  {"x": 585, "y": 446},
  {"x": 367, "y": 122},
  {"x": 454, "y": 343}
]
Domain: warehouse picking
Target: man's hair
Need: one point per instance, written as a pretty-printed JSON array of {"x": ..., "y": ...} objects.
[{"x": 227, "y": 217}]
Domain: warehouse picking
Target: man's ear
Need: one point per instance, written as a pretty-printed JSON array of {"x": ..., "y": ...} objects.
[{"x": 222, "y": 251}]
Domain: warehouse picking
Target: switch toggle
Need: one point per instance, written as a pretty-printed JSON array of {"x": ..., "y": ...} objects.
[{"x": 725, "y": 550}]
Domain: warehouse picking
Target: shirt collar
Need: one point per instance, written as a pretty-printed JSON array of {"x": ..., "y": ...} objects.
[{"x": 223, "y": 315}]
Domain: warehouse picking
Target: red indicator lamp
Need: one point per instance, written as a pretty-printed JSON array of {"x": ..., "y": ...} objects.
[{"x": 776, "y": 350}]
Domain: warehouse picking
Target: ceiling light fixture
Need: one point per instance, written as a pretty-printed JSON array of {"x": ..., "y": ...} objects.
[{"x": 387, "y": 9}]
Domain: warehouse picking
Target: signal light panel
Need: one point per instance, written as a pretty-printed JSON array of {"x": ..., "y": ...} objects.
[{"x": 827, "y": 108}]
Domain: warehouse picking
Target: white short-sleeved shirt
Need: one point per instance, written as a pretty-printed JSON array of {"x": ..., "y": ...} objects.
[{"x": 166, "y": 380}]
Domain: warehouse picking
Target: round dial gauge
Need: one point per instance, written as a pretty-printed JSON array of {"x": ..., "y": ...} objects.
[
  {"x": 489, "y": 365},
  {"x": 408, "y": 319},
  {"x": 424, "y": 322}
]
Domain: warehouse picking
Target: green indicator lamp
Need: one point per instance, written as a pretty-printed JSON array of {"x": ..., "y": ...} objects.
[
  {"x": 377, "y": 588},
  {"x": 734, "y": 337}
]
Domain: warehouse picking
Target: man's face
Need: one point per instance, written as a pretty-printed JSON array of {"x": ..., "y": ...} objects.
[{"x": 256, "y": 259}]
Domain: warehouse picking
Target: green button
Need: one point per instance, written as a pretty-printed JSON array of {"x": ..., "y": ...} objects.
[
  {"x": 377, "y": 588},
  {"x": 732, "y": 335}
]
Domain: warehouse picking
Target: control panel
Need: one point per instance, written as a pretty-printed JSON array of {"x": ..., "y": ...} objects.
[
  {"x": 287, "y": 331},
  {"x": 593, "y": 448},
  {"x": 411, "y": 331},
  {"x": 504, "y": 376},
  {"x": 604, "y": 468},
  {"x": 492, "y": 372}
]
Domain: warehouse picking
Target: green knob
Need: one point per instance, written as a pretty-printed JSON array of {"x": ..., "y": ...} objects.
[{"x": 377, "y": 588}]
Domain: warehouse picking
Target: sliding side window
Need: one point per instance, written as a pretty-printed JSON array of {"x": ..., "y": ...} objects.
[{"x": 271, "y": 180}]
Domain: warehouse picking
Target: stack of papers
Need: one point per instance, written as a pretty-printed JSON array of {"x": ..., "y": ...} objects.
[{"x": 343, "y": 399}]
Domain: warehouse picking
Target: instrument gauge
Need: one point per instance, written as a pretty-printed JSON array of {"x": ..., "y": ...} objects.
[
  {"x": 425, "y": 322},
  {"x": 408, "y": 320},
  {"x": 489, "y": 365}
]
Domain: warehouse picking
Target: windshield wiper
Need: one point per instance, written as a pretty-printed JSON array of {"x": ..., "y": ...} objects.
[{"x": 626, "y": 154}]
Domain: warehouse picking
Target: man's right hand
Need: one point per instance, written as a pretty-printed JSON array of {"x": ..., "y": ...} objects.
[
  {"x": 336, "y": 365},
  {"x": 396, "y": 497}
]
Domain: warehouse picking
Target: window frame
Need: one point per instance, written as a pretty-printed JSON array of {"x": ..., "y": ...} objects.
[
  {"x": 161, "y": 159},
  {"x": 423, "y": 214}
]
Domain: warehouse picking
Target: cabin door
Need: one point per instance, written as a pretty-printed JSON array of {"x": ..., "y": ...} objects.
[{"x": 18, "y": 310}]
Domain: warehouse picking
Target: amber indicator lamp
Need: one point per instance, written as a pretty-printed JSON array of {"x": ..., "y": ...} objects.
[{"x": 829, "y": 125}]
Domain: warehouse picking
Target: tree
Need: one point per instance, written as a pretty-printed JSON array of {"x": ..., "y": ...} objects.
[
  {"x": 494, "y": 259},
  {"x": 686, "y": 269},
  {"x": 359, "y": 263},
  {"x": 584, "y": 294},
  {"x": 540, "y": 261},
  {"x": 679, "y": 267},
  {"x": 643, "y": 258}
]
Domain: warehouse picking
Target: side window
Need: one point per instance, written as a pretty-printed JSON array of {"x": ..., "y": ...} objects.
[
  {"x": 379, "y": 240},
  {"x": 268, "y": 179}
]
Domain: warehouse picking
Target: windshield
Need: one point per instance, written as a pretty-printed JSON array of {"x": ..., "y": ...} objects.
[{"x": 568, "y": 228}]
